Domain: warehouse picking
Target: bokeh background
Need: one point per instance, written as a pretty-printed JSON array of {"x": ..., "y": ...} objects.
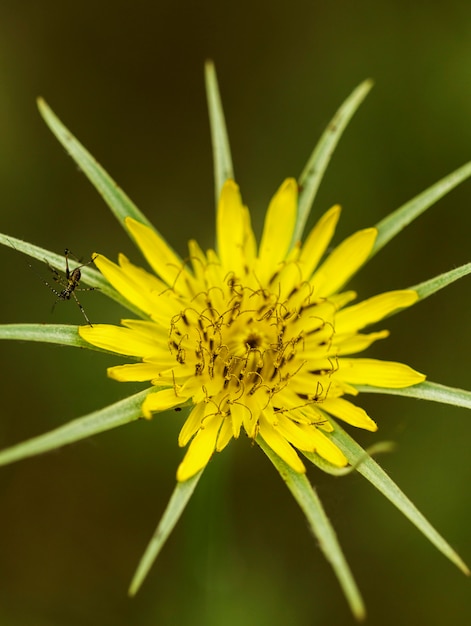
[{"x": 127, "y": 79}]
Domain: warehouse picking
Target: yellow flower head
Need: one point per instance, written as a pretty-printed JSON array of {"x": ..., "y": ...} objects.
[{"x": 250, "y": 337}]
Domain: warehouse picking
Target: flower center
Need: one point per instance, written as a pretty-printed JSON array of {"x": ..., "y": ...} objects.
[{"x": 248, "y": 342}]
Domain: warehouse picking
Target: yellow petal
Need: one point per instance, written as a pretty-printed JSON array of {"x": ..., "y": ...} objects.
[
  {"x": 134, "y": 372},
  {"x": 233, "y": 229},
  {"x": 372, "y": 310},
  {"x": 192, "y": 424},
  {"x": 349, "y": 413},
  {"x": 225, "y": 435},
  {"x": 135, "y": 292},
  {"x": 356, "y": 342},
  {"x": 280, "y": 446},
  {"x": 117, "y": 339},
  {"x": 250, "y": 243},
  {"x": 150, "y": 332},
  {"x": 161, "y": 401},
  {"x": 343, "y": 262},
  {"x": 310, "y": 439},
  {"x": 162, "y": 302},
  {"x": 377, "y": 373},
  {"x": 201, "y": 449},
  {"x": 239, "y": 413},
  {"x": 158, "y": 253},
  {"x": 278, "y": 229},
  {"x": 140, "y": 276},
  {"x": 300, "y": 438},
  {"x": 317, "y": 241},
  {"x": 198, "y": 259},
  {"x": 327, "y": 449}
]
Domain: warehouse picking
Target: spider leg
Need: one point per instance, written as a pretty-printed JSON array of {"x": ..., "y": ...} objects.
[
  {"x": 59, "y": 294},
  {"x": 81, "y": 308},
  {"x": 68, "y": 253},
  {"x": 67, "y": 271},
  {"x": 56, "y": 276}
]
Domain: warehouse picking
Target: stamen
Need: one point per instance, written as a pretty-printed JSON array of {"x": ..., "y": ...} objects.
[{"x": 244, "y": 351}]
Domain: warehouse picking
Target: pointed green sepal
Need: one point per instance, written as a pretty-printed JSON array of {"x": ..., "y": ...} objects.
[
  {"x": 177, "y": 503},
  {"x": 122, "y": 412},
  {"x": 119, "y": 203},
  {"x": 312, "y": 175},
  {"x": 391, "y": 225},
  {"x": 368, "y": 468},
  {"x": 426, "y": 391},
  {"x": 320, "y": 525},
  {"x": 222, "y": 160},
  {"x": 431, "y": 286},
  {"x": 60, "y": 334}
]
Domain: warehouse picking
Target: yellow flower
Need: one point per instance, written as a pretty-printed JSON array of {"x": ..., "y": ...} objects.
[
  {"x": 259, "y": 338},
  {"x": 254, "y": 338}
]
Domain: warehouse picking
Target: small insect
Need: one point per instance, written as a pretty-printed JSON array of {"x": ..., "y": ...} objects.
[{"x": 70, "y": 282}]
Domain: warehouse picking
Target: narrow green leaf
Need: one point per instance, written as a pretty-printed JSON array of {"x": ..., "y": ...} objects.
[
  {"x": 311, "y": 506},
  {"x": 90, "y": 276},
  {"x": 175, "y": 507},
  {"x": 122, "y": 412},
  {"x": 222, "y": 160},
  {"x": 428, "y": 287},
  {"x": 316, "y": 166},
  {"x": 61, "y": 334},
  {"x": 368, "y": 468},
  {"x": 391, "y": 225},
  {"x": 119, "y": 203},
  {"x": 426, "y": 391}
]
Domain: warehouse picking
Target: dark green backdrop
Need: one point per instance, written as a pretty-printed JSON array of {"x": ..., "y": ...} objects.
[{"x": 127, "y": 78}]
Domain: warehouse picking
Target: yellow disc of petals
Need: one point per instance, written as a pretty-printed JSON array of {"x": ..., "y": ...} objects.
[{"x": 252, "y": 340}]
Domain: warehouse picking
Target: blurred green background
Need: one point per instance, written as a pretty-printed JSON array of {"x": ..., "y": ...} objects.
[{"x": 127, "y": 79}]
